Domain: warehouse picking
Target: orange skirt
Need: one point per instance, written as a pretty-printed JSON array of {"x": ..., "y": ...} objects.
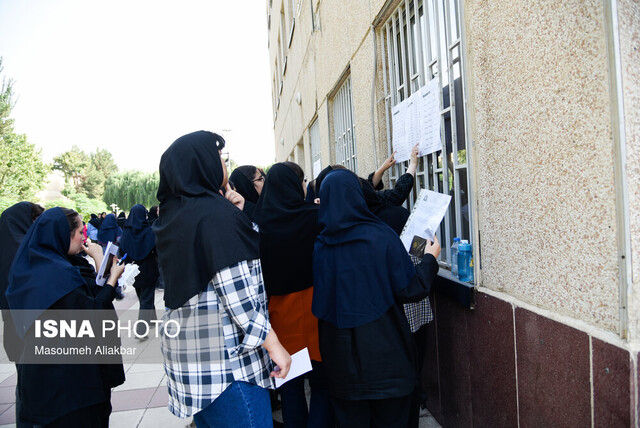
[{"x": 293, "y": 322}]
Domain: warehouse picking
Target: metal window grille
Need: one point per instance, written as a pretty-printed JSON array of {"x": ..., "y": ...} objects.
[
  {"x": 421, "y": 41},
  {"x": 314, "y": 137},
  {"x": 344, "y": 129}
]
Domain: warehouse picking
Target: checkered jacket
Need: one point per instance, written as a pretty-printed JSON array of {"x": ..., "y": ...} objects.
[
  {"x": 219, "y": 340},
  {"x": 418, "y": 313}
]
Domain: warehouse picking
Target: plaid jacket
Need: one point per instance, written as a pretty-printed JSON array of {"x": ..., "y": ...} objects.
[
  {"x": 418, "y": 313},
  {"x": 219, "y": 340}
]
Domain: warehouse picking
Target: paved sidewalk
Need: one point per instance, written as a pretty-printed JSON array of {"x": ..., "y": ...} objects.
[{"x": 142, "y": 400}]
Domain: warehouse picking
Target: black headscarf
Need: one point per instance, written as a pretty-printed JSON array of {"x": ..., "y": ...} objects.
[
  {"x": 14, "y": 223},
  {"x": 198, "y": 232},
  {"x": 288, "y": 227},
  {"x": 95, "y": 222},
  {"x": 152, "y": 215},
  {"x": 321, "y": 176},
  {"x": 394, "y": 216},
  {"x": 41, "y": 273},
  {"x": 359, "y": 263},
  {"x": 109, "y": 230},
  {"x": 311, "y": 192},
  {"x": 122, "y": 218},
  {"x": 245, "y": 187},
  {"x": 137, "y": 238}
]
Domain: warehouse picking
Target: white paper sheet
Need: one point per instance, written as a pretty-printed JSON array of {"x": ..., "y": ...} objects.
[
  {"x": 429, "y": 118},
  {"x": 300, "y": 364},
  {"x": 416, "y": 120},
  {"x": 400, "y": 138},
  {"x": 426, "y": 216}
]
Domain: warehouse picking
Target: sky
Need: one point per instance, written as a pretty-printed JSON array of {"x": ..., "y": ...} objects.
[{"x": 132, "y": 76}]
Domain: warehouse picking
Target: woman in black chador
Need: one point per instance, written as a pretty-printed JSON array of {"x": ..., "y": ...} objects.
[{"x": 47, "y": 273}]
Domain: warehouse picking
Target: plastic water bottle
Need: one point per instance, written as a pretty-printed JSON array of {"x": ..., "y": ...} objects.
[
  {"x": 454, "y": 257},
  {"x": 464, "y": 261}
]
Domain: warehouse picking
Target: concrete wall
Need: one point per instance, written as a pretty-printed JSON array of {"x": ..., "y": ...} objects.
[
  {"x": 339, "y": 43},
  {"x": 629, "y": 27},
  {"x": 544, "y": 155}
]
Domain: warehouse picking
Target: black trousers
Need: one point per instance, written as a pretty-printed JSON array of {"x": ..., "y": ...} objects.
[
  {"x": 95, "y": 416},
  {"x": 386, "y": 413},
  {"x": 146, "y": 296}
]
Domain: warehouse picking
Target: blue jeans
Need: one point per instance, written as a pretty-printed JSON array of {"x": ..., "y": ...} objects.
[{"x": 242, "y": 404}]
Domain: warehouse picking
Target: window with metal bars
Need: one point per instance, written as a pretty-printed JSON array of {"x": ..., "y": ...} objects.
[
  {"x": 421, "y": 41},
  {"x": 344, "y": 128}
]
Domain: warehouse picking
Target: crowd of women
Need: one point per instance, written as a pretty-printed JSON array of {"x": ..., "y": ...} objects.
[{"x": 255, "y": 268}]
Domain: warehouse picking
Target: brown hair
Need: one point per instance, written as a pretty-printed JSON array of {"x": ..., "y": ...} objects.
[{"x": 73, "y": 218}]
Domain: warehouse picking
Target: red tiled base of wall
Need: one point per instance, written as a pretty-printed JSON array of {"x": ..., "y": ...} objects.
[{"x": 473, "y": 356}]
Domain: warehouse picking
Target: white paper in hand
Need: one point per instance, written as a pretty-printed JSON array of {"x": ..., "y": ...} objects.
[
  {"x": 300, "y": 364},
  {"x": 426, "y": 216},
  {"x": 128, "y": 277}
]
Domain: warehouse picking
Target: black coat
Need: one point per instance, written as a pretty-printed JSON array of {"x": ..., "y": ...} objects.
[{"x": 50, "y": 391}]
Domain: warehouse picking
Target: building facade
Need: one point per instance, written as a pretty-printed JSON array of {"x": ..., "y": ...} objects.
[{"x": 540, "y": 128}]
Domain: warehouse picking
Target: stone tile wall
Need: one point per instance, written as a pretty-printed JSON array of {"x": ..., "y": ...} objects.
[{"x": 500, "y": 365}]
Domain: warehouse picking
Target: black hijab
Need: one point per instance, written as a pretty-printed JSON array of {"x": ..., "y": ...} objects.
[
  {"x": 394, "y": 216},
  {"x": 137, "y": 238},
  {"x": 311, "y": 192},
  {"x": 245, "y": 187},
  {"x": 152, "y": 215},
  {"x": 359, "y": 263},
  {"x": 288, "y": 227},
  {"x": 199, "y": 232},
  {"x": 122, "y": 218},
  {"x": 41, "y": 274},
  {"x": 94, "y": 221},
  {"x": 14, "y": 223},
  {"x": 109, "y": 230}
]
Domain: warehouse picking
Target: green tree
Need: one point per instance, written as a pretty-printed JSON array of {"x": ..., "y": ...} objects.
[
  {"x": 102, "y": 161},
  {"x": 72, "y": 163},
  {"x": 84, "y": 205},
  {"x": 22, "y": 171},
  {"x": 129, "y": 188},
  {"x": 6, "y": 103},
  {"x": 87, "y": 172},
  {"x": 93, "y": 184}
]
